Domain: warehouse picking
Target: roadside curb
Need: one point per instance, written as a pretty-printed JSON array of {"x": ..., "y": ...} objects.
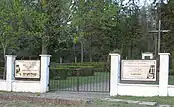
[{"x": 41, "y": 99}]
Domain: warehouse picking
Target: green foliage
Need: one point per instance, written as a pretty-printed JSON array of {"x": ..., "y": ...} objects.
[
  {"x": 172, "y": 63},
  {"x": 167, "y": 17},
  {"x": 17, "y": 20},
  {"x": 37, "y": 94},
  {"x": 78, "y": 65},
  {"x": 1, "y": 69},
  {"x": 97, "y": 25},
  {"x": 56, "y": 73},
  {"x": 116, "y": 51},
  {"x": 62, "y": 71},
  {"x": 63, "y": 27}
]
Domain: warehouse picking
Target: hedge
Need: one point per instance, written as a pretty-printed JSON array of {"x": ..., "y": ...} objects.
[
  {"x": 1, "y": 72},
  {"x": 82, "y": 72},
  {"x": 1, "y": 69},
  {"x": 59, "y": 74},
  {"x": 171, "y": 72},
  {"x": 79, "y": 65}
]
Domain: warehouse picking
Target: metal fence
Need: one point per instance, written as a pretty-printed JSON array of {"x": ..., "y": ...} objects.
[
  {"x": 76, "y": 78},
  {"x": 2, "y": 70}
]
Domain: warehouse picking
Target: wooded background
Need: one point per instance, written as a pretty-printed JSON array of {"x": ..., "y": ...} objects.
[{"x": 84, "y": 29}]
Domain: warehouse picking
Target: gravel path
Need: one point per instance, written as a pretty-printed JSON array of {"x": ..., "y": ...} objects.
[{"x": 74, "y": 96}]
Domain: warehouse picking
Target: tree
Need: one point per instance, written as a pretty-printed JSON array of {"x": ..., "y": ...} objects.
[
  {"x": 11, "y": 20},
  {"x": 94, "y": 19},
  {"x": 49, "y": 20}
]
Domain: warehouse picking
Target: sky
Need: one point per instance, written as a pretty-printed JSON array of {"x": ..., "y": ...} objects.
[{"x": 141, "y": 2}]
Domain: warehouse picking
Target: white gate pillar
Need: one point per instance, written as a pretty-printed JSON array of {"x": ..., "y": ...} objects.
[
  {"x": 114, "y": 74},
  {"x": 163, "y": 73},
  {"x": 44, "y": 80},
  {"x": 10, "y": 67}
]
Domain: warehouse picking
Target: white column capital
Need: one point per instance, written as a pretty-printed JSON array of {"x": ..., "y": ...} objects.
[
  {"x": 11, "y": 56},
  {"x": 163, "y": 53},
  {"x": 114, "y": 54},
  {"x": 42, "y": 55}
]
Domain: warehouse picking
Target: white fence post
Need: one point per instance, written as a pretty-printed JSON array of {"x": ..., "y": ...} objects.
[
  {"x": 61, "y": 60},
  {"x": 10, "y": 67},
  {"x": 163, "y": 74},
  {"x": 114, "y": 74},
  {"x": 45, "y": 62}
]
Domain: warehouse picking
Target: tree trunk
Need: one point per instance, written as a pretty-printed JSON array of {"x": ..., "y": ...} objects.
[
  {"x": 156, "y": 53},
  {"x": 44, "y": 46},
  {"x": 131, "y": 50},
  {"x": 90, "y": 58},
  {"x": 75, "y": 57},
  {"x": 82, "y": 48},
  {"x": 90, "y": 53},
  {"x": 5, "y": 64}
]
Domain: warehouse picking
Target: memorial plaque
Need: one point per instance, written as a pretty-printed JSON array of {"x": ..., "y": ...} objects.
[
  {"x": 138, "y": 70},
  {"x": 27, "y": 69}
]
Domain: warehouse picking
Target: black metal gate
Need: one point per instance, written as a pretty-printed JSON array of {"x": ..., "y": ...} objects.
[{"x": 76, "y": 78}]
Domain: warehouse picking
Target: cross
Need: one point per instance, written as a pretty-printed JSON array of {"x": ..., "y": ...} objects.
[{"x": 159, "y": 31}]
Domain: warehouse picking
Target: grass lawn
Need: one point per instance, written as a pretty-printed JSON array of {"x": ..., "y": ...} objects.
[
  {"x": 161, "y": 100},
  {"x": 74, "y": 81},
  {"x": 113, "y": 104}
]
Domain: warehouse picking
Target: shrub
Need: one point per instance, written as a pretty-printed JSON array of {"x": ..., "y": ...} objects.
[
  {"x": 1, "y": 72},
  {"x": 62, "y": 71},
  {"x": 83, "y": 72},
  {"x": 58, "y": 74},
  {"x": 172, "y": 63},
  {"x": 79, "y": 65},
  {"x": 1, "y": 69},
  {"x": 171, "y": 72}
]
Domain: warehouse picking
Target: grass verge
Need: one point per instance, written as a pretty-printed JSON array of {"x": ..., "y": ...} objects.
[
  {"x": 161, "y": 100},
  {"x": 19, "y": 103}
]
